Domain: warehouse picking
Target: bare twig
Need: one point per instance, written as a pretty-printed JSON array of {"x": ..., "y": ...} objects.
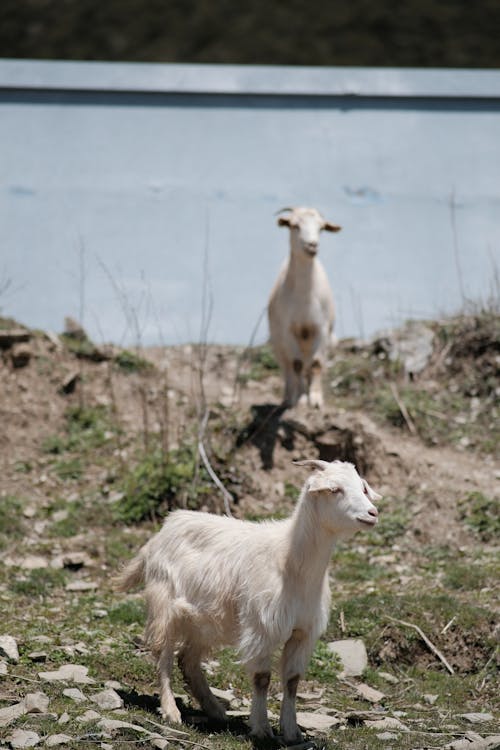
[
  {"x": 402, "y": 408},
  {"x": 208, "y": 466},
  {"x": 448, "y": 625},
  {"x": 427, "y": 642},
  {"x": 342, "y": 621},
  {"x": 453, "y": 206}
]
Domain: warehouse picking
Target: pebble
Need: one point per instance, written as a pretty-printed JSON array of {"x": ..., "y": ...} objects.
[
  {"x": 388, "y": 678},
  {"x": 107, "y": 699},
  {"x": 369, "y": 693},
  {"x": 75, "y": 694},
  {"x": 88, "y": 716},
  {"x": 430, "y": 698},
  {"x": 38, "y": 656},
  {"x": 477, "y": 718},
  {"x": 81, "y": 586},
  {"x": 69, "y": 673},
  {"x": 58, "y": 739},
  {"x": 23, "y": 738},
  {"x": 36, "y": 703},
  {"x": 387, "y": 736},
  {"x": 352, "y": 654},
  {"x": 11, "y": 713},
  {"x": 387, "y": 722},
  {"x": 3, "y": 668},
  {"x": 64, "y": 718},
  {"x": 316, "y": 721},
  {"x": 8, "y": 648}
]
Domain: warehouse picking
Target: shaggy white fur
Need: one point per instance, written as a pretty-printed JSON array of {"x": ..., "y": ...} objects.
[
  {"x": 301, "y": 310},
  {"x": 213, "y": 581}
]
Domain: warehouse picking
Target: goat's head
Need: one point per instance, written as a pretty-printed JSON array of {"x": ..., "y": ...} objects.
[
  {"x": 344, "y": 501},
  {"x": 305, "y": 225}
]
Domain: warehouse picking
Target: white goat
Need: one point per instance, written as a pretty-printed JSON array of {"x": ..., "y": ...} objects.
[
  {"x": 213, "y": 581},
  {"x": 300, "y": 310}
]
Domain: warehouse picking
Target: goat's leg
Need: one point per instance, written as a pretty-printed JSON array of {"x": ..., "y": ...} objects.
[
  {"x": 296, "y": 655},
  {"x": 261, "y": 677},
  {"x": 315, "y": 385},
  {"x": 190, "y": 664},
  {"x": 168, "y": 707}
]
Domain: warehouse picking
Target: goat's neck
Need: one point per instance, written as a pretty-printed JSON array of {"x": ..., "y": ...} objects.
[
  {"x": 300, "y": 267},
  {"x": 310, "y": 544}
]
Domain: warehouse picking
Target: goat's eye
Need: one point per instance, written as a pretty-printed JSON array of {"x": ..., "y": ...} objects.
[
  {"x": 336, "y": 490},
  {"x": 365, "y": 489}
]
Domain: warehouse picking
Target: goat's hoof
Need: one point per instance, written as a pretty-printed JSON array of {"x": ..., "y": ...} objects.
[
  {"x": 171, "y": 715},
  {"x": 261, "y": 732},
  {"x": 216, "y": 712},
  {"x": 292, "y": 737}
]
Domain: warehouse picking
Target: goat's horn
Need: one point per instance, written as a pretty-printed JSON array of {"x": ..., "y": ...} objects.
[
  {"x": 315, "y": 462},
  {"x": 282, "y": 210}
]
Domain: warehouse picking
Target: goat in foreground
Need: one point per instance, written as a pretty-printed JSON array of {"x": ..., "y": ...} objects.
[
  {"x": 213, "y": 581},
  {"x": 300, "y": 310}
]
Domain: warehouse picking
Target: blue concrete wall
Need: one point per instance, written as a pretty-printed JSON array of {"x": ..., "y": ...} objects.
[{"x": 141, "y": 170}]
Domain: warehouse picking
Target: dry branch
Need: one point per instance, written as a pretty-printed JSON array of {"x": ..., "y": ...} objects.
[
  {"x": 427, "y": 642},
  {"x": 403, "y": 409}
]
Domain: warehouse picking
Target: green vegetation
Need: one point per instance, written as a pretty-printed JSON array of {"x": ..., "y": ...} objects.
[
  {"x": 39, "y": 582},
  {"x": 131, "y": 362},
  {"x": 457, "y": 405},
  {"x": 11, "y": 521},
  {"x": 257, "y": 364},
  {"x": 160, "y": 482},
  {"x": 481, "y": 514},
  {"x": 86, "y": 428}
]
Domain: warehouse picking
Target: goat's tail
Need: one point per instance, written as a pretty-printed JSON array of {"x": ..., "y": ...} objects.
[{"x": 132, "y": 574}]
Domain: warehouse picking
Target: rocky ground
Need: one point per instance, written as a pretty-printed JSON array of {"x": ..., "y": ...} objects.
[{"x": 98, "y": 444}]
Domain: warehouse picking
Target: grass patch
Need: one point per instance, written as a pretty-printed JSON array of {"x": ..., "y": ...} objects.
[
  {"x": 86, "y": 428},
  {"x": 160, "y": 482},
  {"x": 11, "y": 520},
  {"x": 39, "y": 582},
  {"x": 482, "y": 514},
  {"x": 257, "y": 364},
  {"x": 129, "y": 362},
  {"x": 129, "y": 612}
]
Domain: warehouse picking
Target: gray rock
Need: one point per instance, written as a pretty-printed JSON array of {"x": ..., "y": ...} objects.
[
  {"x": 68, "y": 673},
  {"x": 3, "y": 668},
  {"x": 22, "y": 738},
  {"x": 54, "y": 740},
  {"x": 389, "y": 678},
  {"x": 36, "y": 703},
  {"x": 75, "y": 694},
  {"x": 88, "y": 716},
  {"x": 430, "y": 698},
  {"x": 107, "y": 699},
  {"x": 8, "y": 648},
  {"x": 316, "y": 721},
  {"x": 369, "y": 693},
  {"x": 477, "y": 718},
  {"x": 352, "y": 654},
  {"x": 11, "y": 713},
  {"x": 81, "y": 586},
  {"x": 64, "y": 718},
  {"x": 388, "y": 722},
  {"x": 38, "y": 656},
  {"x": 387, "y": 736},
  {"x": 114, "y": 725}
]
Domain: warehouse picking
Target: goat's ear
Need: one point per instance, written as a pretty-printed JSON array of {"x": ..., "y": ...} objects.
[
  {"x": 331, "y": 227},
  {"x": 372, "y": 495},
  {"x": 283, "y": 221},
  {"x": 314, "y": 463},
  {"x": 319, "y": 483}
]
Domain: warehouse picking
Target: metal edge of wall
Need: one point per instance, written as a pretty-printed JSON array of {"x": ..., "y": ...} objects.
[{"x": 254, "y": 80}]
